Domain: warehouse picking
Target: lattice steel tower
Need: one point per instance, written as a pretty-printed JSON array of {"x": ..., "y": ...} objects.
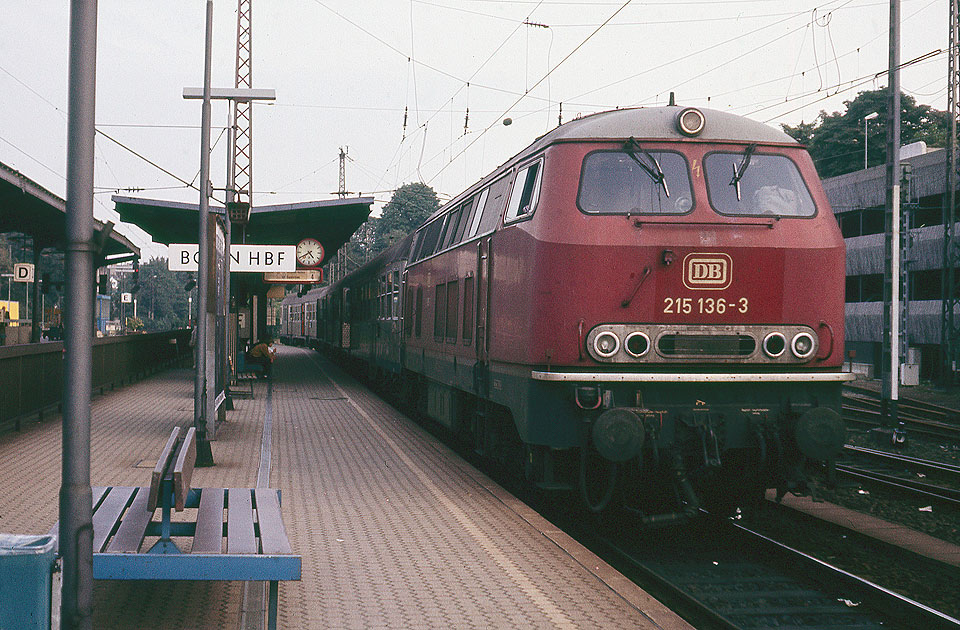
[{"x": 241, "y": 166}]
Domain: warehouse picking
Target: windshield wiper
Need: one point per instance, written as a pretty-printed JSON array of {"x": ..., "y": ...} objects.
[
  {"x": 653, "y": 169},
  {"x": 739, "y": 171}
]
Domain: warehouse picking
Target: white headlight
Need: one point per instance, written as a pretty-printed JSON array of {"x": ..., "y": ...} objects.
[
  {"x": 606, "y": 344},
  {"x": 690, "y": 121},
  {"x": 803, "y": 345}
]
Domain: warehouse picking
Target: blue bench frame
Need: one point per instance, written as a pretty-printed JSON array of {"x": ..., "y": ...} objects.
[{"x": 257, "y": 548}]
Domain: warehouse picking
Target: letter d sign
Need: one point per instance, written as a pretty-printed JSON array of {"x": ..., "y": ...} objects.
[{"x": 23, "y": 272}]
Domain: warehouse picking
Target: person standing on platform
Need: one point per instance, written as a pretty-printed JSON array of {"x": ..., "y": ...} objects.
[{"x": 263, "y": 355}]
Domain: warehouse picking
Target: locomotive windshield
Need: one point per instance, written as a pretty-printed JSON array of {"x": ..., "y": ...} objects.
[
  {"x": 753, "y": 184},
  {"x": 635, "y": 182}
]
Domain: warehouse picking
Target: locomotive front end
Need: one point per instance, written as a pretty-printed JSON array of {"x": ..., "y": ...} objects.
[{"x": 707, "y": 274}]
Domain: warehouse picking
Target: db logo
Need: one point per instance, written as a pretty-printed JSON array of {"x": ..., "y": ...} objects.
[{"x": 707, "y": 271}]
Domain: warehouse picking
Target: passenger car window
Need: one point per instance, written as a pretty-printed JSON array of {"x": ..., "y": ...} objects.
[
  {"x": 617, "y": 182},
  {"x": 763, "y": 185},
  {"x": 526, "y": 191}
]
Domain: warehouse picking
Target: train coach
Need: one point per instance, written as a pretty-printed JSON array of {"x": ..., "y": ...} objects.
[{"x": 644, "y": 306}]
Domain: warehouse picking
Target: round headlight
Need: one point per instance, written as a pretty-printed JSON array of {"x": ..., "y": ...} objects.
[
  {"x": 803, "y": 345},
  {"x": 774, "y": 344},
  {"x": 606, "y": 344},
  {"x": 690, "y": 121},
  {"x": 637, "y": 344}
]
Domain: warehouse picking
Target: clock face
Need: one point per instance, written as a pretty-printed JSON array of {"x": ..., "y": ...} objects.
[{"x": 309, "y": 252}]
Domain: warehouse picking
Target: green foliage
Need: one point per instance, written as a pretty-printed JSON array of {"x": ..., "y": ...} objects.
[
  {"x": 161, "y": 301},
  {"x": 836, "y": 140},
  {"x": 409, "y": 207}
]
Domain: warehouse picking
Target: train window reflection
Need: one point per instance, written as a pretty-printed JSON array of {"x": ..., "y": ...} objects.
[
  {"x": 764, "y": 185},
  {"x": 613, "y": 182}
]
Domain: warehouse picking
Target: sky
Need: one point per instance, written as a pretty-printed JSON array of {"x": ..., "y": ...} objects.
[{"x": 419, "y": 90}]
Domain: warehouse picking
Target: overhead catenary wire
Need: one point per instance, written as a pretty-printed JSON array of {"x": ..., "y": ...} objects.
[{"x": 542, "y": 79}]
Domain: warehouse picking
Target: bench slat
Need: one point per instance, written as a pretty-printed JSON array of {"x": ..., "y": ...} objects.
[
  {"x": 273, "y": 536},
  {"x": 183, "y": 469},
  {"x": 133, "y": 527},
  {"x": 98, "y": 493},
  {"x": 240, "y": 534},
  {"x": 161, "y": 468},
  {"x": 209, "y": 532},
  {"x": 106, "y": 517}
]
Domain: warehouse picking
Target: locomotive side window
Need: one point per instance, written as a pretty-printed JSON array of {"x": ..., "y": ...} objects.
[
  {"x": 635, "y": 182},
  {"x": 431, "y": 235},
  {"x": 526, "y": 191},
  {"x": 491, "y": 208},
  {"x": 754, "y": 184},
  {"x": 477, "y": 213},
  {"x": 444, "y": 231},
  {"x": 415, "y": 245},
  {"x": 469, "y": 210}
]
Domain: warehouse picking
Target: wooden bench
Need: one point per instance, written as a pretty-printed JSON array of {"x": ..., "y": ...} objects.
[
  {"x": 247, "y": 543},
  {"x": 237, "y": 378},
  {"x": 246, "y": 369}
]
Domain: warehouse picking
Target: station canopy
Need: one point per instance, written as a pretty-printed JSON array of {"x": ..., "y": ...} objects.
[
  {"x": 29, "y": 208},
  {"x": 331, "y": 222}
]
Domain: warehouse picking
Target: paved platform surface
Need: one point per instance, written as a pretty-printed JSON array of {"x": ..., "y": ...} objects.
[{"x": 395, "y": 530}]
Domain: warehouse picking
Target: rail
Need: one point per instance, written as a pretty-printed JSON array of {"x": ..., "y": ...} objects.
[{"x": 31, "y": 375}]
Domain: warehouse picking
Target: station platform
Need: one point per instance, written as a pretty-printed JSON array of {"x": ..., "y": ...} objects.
[
  {"x": 899, "y": 535},
  {"x": 395, "y": 530}
]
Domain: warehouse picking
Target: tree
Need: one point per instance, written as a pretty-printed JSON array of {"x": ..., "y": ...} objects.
[
  {"x": 836, "y": 140},
  {"x": 161, "y": 301},
  {"x": 409, "y": 207}
]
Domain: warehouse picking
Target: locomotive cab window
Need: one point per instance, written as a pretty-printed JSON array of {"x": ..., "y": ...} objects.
[
  {"x": 635, "y": 181},
  {"x": 526, "y": 192},
  {"x": 751, "y": 184}
]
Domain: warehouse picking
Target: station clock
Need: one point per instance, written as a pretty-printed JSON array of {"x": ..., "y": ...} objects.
[{"x": 309, "y": 252}]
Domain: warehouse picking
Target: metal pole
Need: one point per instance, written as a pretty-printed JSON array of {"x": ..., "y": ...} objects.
[
  {"x": 949, "y": 334},
  {"x": 892, "y": 240},
  {"x": 230, "y": 198},
  {"x": 204, "y": 454},
  {"x": 37, "y": 318},
  {"x": 76, "y": 528}
]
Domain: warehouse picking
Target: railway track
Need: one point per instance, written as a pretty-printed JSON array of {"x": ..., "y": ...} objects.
[
  {"x": 753, "y": 581},
  {"x": 903, "y": 475},
  {"x": 862, "y": 406}
]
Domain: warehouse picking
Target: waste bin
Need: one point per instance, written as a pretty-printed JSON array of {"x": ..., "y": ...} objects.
[{"x": 26, "y": 567}]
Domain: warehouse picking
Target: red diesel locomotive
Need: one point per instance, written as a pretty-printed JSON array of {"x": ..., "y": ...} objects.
[{"x": 645, "y": 305}]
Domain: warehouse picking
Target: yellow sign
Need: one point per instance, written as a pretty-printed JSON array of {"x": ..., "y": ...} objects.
[
  {"x": 9, "y": 311},
  {"x": 301, "y": 276}
]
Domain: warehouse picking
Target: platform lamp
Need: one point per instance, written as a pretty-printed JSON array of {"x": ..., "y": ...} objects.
[
  {"x": 869, "y": 116},
  {"x": 238, "y": 211}
]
